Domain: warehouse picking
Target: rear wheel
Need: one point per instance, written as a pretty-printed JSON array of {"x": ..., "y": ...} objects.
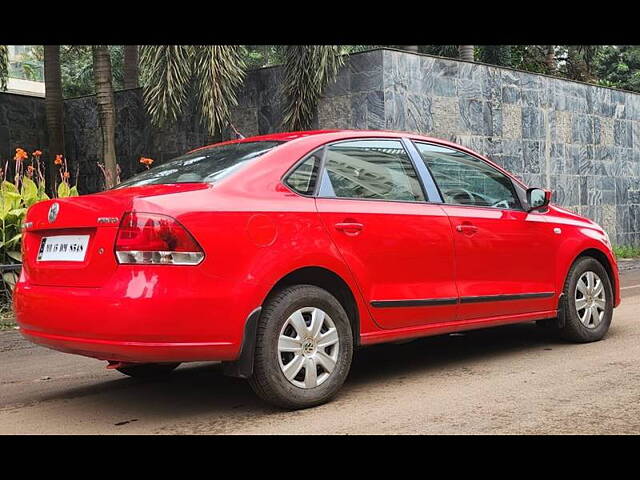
[
  {"x": 304, "y": 347},
  {"x": 148, "y": 370},
  {"x": 588, "y": 304}
]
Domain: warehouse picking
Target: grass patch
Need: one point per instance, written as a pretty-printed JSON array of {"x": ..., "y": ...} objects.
[
  {"x": 623, "y": 251},
  {"x": 7, "y": 320}
]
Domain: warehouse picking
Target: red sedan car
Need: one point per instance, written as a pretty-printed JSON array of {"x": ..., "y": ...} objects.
[{"x": 280, "y": 254}]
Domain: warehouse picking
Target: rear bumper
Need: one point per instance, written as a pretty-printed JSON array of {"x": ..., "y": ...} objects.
[
  {"x": 124, "y": 351},
  {"x": 166, "y": 314}
]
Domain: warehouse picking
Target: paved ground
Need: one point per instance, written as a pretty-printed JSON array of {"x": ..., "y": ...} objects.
[{"x": 512, "y": 379}]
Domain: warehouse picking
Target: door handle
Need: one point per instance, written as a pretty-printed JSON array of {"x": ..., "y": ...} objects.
[
  {"x": 467, "y": 228},
  {"x": 349, "y": 228}
]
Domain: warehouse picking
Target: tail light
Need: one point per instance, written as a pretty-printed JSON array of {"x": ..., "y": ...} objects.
[{"x": 149, "y": 238}]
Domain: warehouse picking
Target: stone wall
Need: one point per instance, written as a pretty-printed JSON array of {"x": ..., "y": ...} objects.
[
  {"x": 22, "y": 124},
  {"x": 580, "y": 140},
  {"x": 135, "y": 137}
]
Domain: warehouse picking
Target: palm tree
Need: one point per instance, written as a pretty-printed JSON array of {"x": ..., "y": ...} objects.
[
  {"x": 466, "y": 52},
  {"x": 4, "y": 66},
  {"x": 307, "y": 71},
  {"x": 550, "y": 58},
  {"x": 53, "y": 107},
  {"x": 131, "y": 66},
  {"x": 218, "y": 71},
  {"x": 106, "y": 111}
]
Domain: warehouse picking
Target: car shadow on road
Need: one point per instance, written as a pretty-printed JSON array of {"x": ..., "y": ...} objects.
[
  {"x": 449, "y": 353},
  {"x": 195, "y": 389}
]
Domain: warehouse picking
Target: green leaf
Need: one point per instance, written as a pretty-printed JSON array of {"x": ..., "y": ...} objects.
[
  {"x": 18, "y": 212},
  {"x": 8, "y": 186},
  {"x": 10, "y": 278},
  {"x": 168, "y": 70},
  {"x": 63, "y": 190},
  {"x": 15, "y": 239},
  {"x": 73, "y": 192},
  {"x": 219, "y": 71},
  {"x": 308, "y": 69},
  {"x": 10, "y": 200},
  {"x": 16, "y": 255},
  {"x": 29, "y": 191}
]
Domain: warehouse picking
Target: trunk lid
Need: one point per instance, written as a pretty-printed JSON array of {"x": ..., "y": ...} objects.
[{"x": 89, "y": 223}]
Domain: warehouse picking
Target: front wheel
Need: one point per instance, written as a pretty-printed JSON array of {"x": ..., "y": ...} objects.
[
  {"x": 588, "y": 304},
  {"x": 304, "y": 347}
]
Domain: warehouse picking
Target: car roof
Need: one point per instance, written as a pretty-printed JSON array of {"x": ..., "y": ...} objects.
[
  {"x": 331, "y": 135},
  {"x": 324, "y": 136}
]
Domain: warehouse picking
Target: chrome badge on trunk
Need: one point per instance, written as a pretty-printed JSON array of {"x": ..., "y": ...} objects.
[{"x": 53, "y": 212}]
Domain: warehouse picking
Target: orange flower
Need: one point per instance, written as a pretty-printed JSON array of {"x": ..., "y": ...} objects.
[
  {"x": 58, "y": 160},
  {"x": 65, "y": 175},
  {"x": 30, "y": 170},
  {"x": 37, "y": 153},
  {"x": 146, "y": 161},
  {"x": 20, "y": 155}
]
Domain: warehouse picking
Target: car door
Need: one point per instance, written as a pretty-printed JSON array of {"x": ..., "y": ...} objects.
[
  {"x": 398, "y": 246},
  {"x": 504, "y": 256}
]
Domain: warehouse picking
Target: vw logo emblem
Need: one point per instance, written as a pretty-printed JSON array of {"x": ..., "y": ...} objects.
[{"x": 53, "y": 212}]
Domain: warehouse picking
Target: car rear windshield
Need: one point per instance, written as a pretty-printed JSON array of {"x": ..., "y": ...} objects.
[{"x": 202, "y": 166}]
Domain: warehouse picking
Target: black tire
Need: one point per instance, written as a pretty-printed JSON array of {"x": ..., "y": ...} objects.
[
  {"x": 574, "y": 330},
  {"x": 148, "y": 370},
  {"x": 268, "y": 379}
]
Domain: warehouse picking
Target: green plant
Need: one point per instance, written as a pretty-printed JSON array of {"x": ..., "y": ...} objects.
[
  {"x": 308, "y": 69},
  {"x": 26, "y": 189},
  {"x": 7, "y": 319},
  {"x": 213, "y": 73},
  {"x": 626, "y": 251},
  {"x": 173, "y": 74}
]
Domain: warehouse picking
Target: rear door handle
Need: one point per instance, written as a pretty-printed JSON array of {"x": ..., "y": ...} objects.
[
  {"x": 349, "y": 228},
  {"x": 467, "y": 228}
]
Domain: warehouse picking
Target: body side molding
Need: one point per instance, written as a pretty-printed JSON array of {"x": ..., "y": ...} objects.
[{"x": 430, "y": 302}]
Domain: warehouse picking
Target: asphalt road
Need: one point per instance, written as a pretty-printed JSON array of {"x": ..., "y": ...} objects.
[{"x": 513, "y": 379}]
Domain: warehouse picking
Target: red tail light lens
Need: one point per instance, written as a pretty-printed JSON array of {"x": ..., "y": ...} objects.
[{"x": 149, "y": 238}]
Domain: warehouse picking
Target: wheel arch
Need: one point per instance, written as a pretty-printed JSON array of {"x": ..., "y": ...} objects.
[
  {"x": 330, "y": 281},
  {"x": 602, "y": 258},
  {"x": 310, "y": 275}
]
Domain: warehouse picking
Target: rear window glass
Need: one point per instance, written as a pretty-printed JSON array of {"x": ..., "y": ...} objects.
[
  {"x": 206, "y": 165},
  {"x": 303, "y": 178}
]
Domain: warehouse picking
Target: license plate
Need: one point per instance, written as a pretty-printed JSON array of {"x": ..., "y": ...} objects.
[{"x": 63, "y": 248}]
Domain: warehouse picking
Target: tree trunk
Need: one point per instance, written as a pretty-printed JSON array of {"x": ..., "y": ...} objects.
[
  {"x": 54, "y": 110},
  {"x": 550, "y": 59},
  {"x": 106, "y": 111},
  {"x": 131, "y": 66},
  {"x": 411, "y": 48},
  {"x": 466, "y": 52},
  {"x": 4, "y": 67}
]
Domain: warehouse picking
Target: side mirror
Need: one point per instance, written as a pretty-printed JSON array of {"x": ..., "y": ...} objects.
[{"x": 538, "y": 199}]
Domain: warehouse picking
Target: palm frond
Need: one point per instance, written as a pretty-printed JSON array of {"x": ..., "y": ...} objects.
[
  {"x": 307, "y": 70},
  {"x": 219, "y": 72},
  {"x": 167, "y": 72},
  {"x": 4, "y": 66}
]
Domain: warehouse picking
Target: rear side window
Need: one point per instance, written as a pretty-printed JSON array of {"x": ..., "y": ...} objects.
[
  {"x": 303, "y": 179},
  {"x": 466, "y": 180},
  {"x": 206, "y": 165},
  {"x": 372, "y": 169}
]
